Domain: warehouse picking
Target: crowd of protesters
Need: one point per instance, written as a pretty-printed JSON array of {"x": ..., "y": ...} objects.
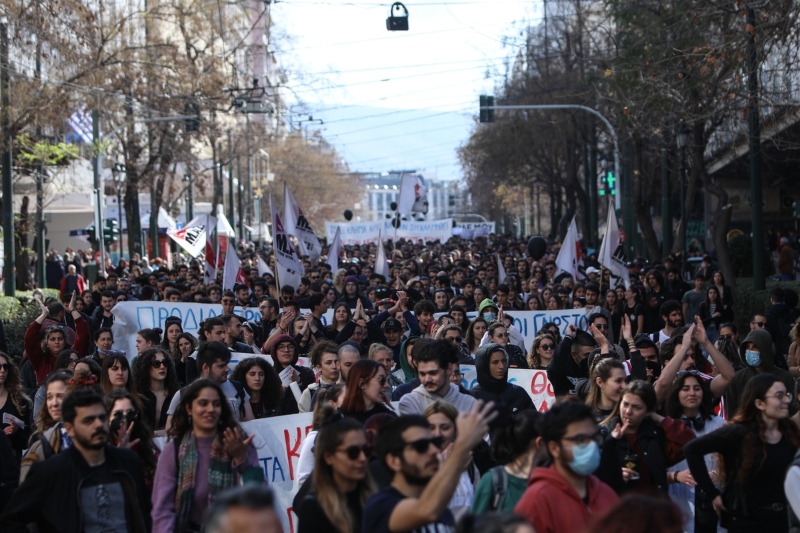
[{"x": 667, "y": 417}]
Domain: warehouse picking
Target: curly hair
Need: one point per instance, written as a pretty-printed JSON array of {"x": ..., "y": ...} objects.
[
  {"x": 182, "y": 422},
  {"x": 176, "y": 354},
  {"x": 13, "y": 385},
  {"x": 271, "y": 391},
  {"x": 534, "y": 359},
  {"x": 141, "y": 371},
  {"x": 46, "y": 336},
  {"x": 673, "y": 407}
]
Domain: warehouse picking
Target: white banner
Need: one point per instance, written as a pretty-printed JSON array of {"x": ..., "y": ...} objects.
[
  {"x": 130, "y": 317},
  {"x": 534, "y": 382},
  {"x": 368, "y": 232},
  {"x": 469, "y": 230}
]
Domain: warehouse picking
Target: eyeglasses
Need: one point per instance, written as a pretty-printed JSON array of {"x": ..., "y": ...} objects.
[
  {"x": 546, "y": 347},
  {"x": 781, "y": 396},
  {"x": 130, "y": 414},
  {"x": 455, "y": 340},
  {"x": 381, "y": 379},
  {"x": 157, "y": 363},
  {"x": 759, "y": 324},
  {"x": 500, "y": 335},
  {"x": 422, "y": 445},
  {"x": 286, "y": 347},
  {"x": 354, "y": 452},
  {"x": 72, "y": 361}
]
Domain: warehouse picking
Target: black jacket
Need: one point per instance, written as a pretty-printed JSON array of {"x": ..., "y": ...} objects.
[
  {"x": 50, "y": 495},
  {"x": 506, "y": 396}
]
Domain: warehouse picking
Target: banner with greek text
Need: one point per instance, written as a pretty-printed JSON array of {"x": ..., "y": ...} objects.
[
  {"x": 534, "y": 382},
  {"x": 369, "y": 232},
  {"x": 470, "y": 230},
  {"x": 130, "y": 317}
]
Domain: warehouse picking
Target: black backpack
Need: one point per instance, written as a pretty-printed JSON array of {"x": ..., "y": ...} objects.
[{"x": 499, "y": 488}]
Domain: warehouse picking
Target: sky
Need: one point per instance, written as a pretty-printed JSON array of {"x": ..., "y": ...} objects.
[{"x": 397, "y": 100}]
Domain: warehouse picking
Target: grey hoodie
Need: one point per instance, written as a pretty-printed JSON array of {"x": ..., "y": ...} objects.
[
  {"x": 416, "y": 401},
  {"x": 762, "y": 339}
]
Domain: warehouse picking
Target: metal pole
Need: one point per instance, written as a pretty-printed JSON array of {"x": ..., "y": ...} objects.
[
  {"x": 241, "y": 200},
  {"x": 666, "y": 211},
  {"x": 190, "y": 203},
  {"x": 755, "y": 154},
  {"x": 230, "y": 179},
  {"x": 41, "y": 279},
  {"x": 684, "y": 222},
  {"x": 9, "y": 258},
  {"x": 121, "y": 218},
  {"x": 98, "y": 186}
]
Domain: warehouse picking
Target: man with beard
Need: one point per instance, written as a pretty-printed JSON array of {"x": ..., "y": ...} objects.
[
  {"x": 672, "y": 317},
  {"x": 106, "y": 480},
  {"x": 416, "y": 499},
  {"x": 565, "y": 496}
]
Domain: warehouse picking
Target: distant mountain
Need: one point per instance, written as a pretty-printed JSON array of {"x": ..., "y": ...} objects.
[{"x": 376, "y": 139}]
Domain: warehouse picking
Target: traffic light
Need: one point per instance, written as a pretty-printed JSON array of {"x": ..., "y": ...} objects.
[
  {"x": 611, "y": 183},
  {"x": 602, "y": 186},
  {"x": 111, "y": 231},
  {"x": 486, "y": 115}
]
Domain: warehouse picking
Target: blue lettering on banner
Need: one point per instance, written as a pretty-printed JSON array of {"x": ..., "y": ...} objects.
[{"x": 276, "y": 469}]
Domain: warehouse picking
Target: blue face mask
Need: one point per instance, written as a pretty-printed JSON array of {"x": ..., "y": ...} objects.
[
  {"x": 489, "y": 316},
  {"x": 585, "y": 458},
  {"x": 752, "y": 358}
]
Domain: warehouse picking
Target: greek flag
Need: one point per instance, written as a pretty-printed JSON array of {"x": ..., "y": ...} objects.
[{"x": 80, "y": 122}]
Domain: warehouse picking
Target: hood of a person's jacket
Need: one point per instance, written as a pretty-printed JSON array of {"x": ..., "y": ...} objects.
[
  {"x": 408, "y": 370},
  {"x": 274, "y": 351},
  {"x": 762, "y": 339},
  {"x": 451, "y": 397},
  {"x": 556, "y": 481},
  {"x": 486, "y": 303},
  {"x": 485, "y": 378}
]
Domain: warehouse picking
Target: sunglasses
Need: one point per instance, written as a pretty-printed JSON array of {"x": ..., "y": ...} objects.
[
  {"x": 759, "y": 324},
  {"x": 354, "y": 452},
  {"x": 728, "y": 337},
  {"x": 156, "y": 363},
  {"x": 456, "y": 340},
  {"x": 228, "y": 301},
  {"x": 130, "y": 414},
  {"x": 381, "y": 379},
  {"x": 422, "y": 445},
  {"x": 500, "y": 335},
  {"x": 5, "y": 367},
  {"x": 546, "y": 346}
]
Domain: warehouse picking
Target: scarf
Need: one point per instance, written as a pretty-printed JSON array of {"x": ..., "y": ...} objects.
[{"x": 220, "y": 476}]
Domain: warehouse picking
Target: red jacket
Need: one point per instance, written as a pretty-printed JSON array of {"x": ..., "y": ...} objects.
[
  {"x": 81, "y": 283},
  {"x": 552, "y": 505},
  {"x": 43, "y": 363}
]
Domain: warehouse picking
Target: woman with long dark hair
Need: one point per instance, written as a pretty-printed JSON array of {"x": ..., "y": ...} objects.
[
  {"x": 341, "y": 316},
  {"x": 173, "y": 327},
  {"x": 207, "y": 454},
  {"x": 156, "y": 382},
  {"x": 127, "y": 430},
  {"x": 14, "y": 403},
  {"x": 184, "y": 347},
  {"x": 329, "y": 400},
  {"x": 366, "y": 390},
  {"x": 341, "y": 481},
  {"x": 475, "y": 333},
  {"x": 147, "y": 338},
  {"x": 634, "y": 309},
  {"x": 116, "y": 374},
  {"x": 262, "y": 384},
  {"x": 756, "y": 448},
  {"x": 690, "y": 400}
]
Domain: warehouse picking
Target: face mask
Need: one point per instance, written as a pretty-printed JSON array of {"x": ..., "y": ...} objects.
[
  {"x": 752, "y": 358},
  {"x": 489, "y": 316},
  {"x": 585, "y": 458}
]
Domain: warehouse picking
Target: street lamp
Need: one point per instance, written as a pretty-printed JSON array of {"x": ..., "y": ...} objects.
[
  {"x": 118, "y": 172},
  {"x": 682, "y": 136}
]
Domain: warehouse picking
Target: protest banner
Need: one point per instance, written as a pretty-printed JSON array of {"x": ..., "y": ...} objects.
[
  {"x": 130, "y": 317},
  {"x": 470, "y": 230},
  {"x": 278, "y": 441},
  {"x": 369, "y": 232},
  {"x": 534, "y": 382}
]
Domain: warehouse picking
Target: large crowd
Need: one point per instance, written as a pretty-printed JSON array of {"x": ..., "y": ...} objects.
[{"x": 667, "y": 417}]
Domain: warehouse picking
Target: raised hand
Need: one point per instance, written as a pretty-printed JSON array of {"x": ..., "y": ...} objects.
[
  {"x": 472, "y": 426},
  {"x": 627, "y": 333},
  {"x": 235, "y": 444}
]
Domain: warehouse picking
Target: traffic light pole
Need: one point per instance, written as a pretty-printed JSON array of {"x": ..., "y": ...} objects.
[{"x": 611, "y": 131}]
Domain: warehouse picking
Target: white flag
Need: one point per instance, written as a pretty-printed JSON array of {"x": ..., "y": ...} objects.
[
  {"x": 263, "y": 268},
  {"x": 335, "y": 252},
  {"x": 569, "y": 257},
  {"x": 290, "y": 269},
  {"x": 191, "y": 237},
  {"x": 612, "y": 252},
  {"x": 299, "y": 226},
  {"x": 234, "y": 273},
  {"x": 413, "y": 197},
  {"x": 501, "y": 270},
  {"x": 212, "y": 250},
  {"x": 381, "y": 265}
]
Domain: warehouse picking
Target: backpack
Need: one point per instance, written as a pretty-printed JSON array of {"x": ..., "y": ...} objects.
[{"x": 499, "y": 488}]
